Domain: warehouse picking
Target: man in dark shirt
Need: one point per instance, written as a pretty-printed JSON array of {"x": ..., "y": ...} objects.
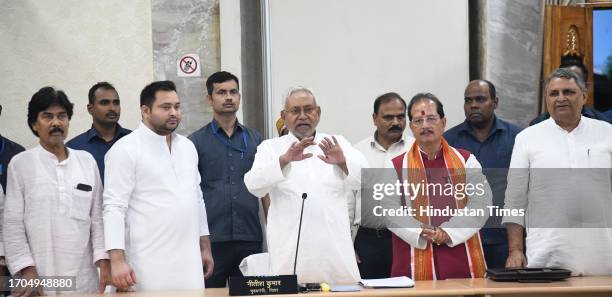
[
  {"x": 105, "y": 109},
  {"x": 8, "y": 149},
  {"x": 226, "y": 151},
  {"x": 491, "y": 140}
]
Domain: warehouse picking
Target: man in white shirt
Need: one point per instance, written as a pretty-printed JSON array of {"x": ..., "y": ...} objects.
[
  {"x": 154, "y": 216},
  {"x": 567, "y": 210},
  {"x": 285, "y": 168},
  {"x": 373, "y": 241},
  {"x": 53, "y": 209}
]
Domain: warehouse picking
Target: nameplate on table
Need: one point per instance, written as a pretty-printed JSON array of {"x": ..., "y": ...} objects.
[{"x": 263, "y": 285}]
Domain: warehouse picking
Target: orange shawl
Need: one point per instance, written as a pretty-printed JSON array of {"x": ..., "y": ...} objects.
[{"x": 422, "y": 259}]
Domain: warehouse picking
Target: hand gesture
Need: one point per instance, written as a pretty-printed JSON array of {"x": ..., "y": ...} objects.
[
  {"x": 296, "y": 151},
  {"x": 435, "y": 235},
  {"x": 332, "y": 151}
]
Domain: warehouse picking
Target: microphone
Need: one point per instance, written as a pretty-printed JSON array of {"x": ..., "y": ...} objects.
[{"x": 297, "y": 247}]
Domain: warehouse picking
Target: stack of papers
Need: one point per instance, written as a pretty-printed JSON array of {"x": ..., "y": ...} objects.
[{"x": 393, "y": 282}]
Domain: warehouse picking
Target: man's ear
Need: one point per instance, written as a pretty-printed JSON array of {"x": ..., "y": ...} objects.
[
  {"x": 145, "y": 110},
  {"x": 209, "y": 99},
  {"x": 374, "y": 119},
  {"x": 496, "y": 102},
  {"x": 283, "y": 116},
  {"x": 90, "y": 108}
]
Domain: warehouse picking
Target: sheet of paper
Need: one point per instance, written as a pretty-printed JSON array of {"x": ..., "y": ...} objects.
[{"x": 393, "y": 282}]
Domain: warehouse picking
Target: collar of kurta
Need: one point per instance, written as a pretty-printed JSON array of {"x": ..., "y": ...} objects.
[
  {"x": 151, "y": 135},
  {"x": 293, "y": 138},
  {"x": 374, "y": 143},
  {"x": 52, "y": 157},
  {"x": 578, "y": 128}
]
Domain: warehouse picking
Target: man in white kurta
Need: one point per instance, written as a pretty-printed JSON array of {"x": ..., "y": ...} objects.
[
  {"x": 53, "y": 210},
  {"x": 563, "y": 202},
  {"x": 326, "y": 253},
  {"x": 153, "y": 206}
]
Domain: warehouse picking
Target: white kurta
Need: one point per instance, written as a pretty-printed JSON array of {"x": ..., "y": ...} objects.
[
  {"x": 48, "y": 222},
  {"x": 326, "y": 251},
  {"x": 153, "y": 209},
  {"x": 584, "y": 251}
]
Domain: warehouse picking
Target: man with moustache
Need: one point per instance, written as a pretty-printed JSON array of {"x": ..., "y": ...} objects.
[
  {"x": 155, "y": 223},
  {"x": 226, "y": 150},
  {"x": 285, "y": 168},
  {"x": 373, "y": 241},
  {"x": 105, "y": 108},
  {"x": 566, "y": 209},
  {"x": 490, "y": 139},
  {"x": 53, "y": 210},
  {"x": 427, "y": 247}
]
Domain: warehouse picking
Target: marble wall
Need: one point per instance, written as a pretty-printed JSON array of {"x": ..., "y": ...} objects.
[
  {"x": 186, "y": 27},
  {"x": 511, "y": 55},
  {"x": 71, "y": 45}
]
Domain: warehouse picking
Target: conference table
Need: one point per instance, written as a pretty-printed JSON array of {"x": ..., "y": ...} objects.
[{"x": 576, "y": 286}]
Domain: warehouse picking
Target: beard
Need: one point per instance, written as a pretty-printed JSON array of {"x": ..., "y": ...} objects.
[{"x": 164, "y": 128}]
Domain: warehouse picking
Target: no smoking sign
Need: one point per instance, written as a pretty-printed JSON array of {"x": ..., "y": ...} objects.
[{"x": 188, "y": 66}]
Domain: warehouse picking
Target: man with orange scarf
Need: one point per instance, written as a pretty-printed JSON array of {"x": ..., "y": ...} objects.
[{"x": 434, "y": 246}]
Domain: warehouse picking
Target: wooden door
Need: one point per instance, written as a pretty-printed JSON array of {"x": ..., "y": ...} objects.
[{"x": 568, "y": 30}]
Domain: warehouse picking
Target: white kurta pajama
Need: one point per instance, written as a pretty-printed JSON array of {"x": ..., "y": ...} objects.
[
  {"x": 549, "y": 243},
  {"x": 153, "y": 209},
  {"x": 326, "y": 251},
  {"x": 48, "y": 222}
]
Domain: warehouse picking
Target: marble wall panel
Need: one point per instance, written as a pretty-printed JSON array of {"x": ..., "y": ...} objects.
[
  {"x": 186, "y": 27},
  {"x": 512, "y": 55}
]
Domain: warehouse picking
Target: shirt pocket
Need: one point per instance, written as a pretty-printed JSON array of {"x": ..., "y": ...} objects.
[
  {"x": 599, "y": 157},
  {"x": 81, "y": 204}
]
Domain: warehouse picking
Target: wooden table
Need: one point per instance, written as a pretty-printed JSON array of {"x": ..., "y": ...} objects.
[{"x": 577, "y": 286}]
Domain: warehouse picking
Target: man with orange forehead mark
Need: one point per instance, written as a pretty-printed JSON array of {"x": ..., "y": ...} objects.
[{"x": 439, "y": 239}]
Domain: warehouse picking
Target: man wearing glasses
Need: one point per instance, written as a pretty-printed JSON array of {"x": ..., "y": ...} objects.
[
  {"x": 490, "y": 139},
  {"x": 434, "y": 246},
  {"x": 327, "y": 169}
]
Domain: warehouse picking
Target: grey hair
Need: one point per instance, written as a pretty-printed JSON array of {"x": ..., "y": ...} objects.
[
  {"x": 296, "y": 89},
  {"x": 566, "y": 73}
]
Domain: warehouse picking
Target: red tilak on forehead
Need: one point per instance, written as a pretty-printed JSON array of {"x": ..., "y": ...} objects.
[{"x": 422, "y": 112}]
